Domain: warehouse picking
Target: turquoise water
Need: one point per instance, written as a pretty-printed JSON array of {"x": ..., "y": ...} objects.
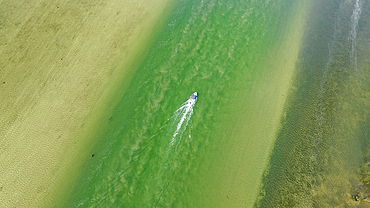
[
  {"x": 150, "y": 157},
  {"x": 159, "y": 151}
]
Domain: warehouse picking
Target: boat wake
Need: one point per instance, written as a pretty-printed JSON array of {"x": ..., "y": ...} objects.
[
  {"x": 175, "y": 148},
  {"x": 172, "y": 130},
  {"x": 182, "y": 116},
  {"x": 171, "y": 152}
]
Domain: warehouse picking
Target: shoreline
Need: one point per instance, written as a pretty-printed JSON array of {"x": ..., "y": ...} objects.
[{"x": 61, "y": 65}]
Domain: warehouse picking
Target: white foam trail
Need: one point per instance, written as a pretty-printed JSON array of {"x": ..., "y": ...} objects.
[
  {"x": 182, "y": 116},
  {"x": 332, "y": 45},
  {"x": 180, "y": 121},
  {"x": 320, "y": 110},
  {"x": 353, "y": 33}
]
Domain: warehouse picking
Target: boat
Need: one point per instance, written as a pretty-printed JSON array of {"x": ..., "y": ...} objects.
[{"x": 193, "y": 98}]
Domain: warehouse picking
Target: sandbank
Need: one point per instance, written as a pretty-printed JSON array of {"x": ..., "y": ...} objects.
[
  {"x": 257, "y": 121},
  {"x": 60, "y": 62}
]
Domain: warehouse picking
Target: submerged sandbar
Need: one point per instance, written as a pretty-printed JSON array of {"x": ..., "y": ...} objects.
[{"x": 59, "y": 64}]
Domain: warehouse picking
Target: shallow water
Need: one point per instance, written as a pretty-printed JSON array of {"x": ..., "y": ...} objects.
[
  {"x": 159, "y": 152},
  {"x": 321, "y": 154},
  {"x": 152, "y": 156}
]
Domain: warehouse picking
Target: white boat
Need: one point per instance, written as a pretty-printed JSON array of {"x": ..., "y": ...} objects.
[{"x": 193, "y": 98}]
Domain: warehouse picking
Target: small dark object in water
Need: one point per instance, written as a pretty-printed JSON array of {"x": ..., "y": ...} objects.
[
  {"x": 92, "y": 155},
  {"x": 356, "y": 197},
  {"x": 3, "y": 82}
]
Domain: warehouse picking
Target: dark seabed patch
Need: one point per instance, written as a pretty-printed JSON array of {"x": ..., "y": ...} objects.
[{"x": 321, "y": 155}]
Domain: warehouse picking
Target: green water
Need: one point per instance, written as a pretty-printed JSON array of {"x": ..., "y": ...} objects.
[
  {"x": 152, "y": 156},
  {"x": 157, "y": 153},
  {"x": 220, "y": 49}
]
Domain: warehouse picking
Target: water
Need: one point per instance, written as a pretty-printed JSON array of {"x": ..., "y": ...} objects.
[
  {"x": 157, "y": 152},
  {"x": 320, "y": 158}
]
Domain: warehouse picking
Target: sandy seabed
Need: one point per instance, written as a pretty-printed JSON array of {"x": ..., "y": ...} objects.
[{"x": 60, "y": 62}]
